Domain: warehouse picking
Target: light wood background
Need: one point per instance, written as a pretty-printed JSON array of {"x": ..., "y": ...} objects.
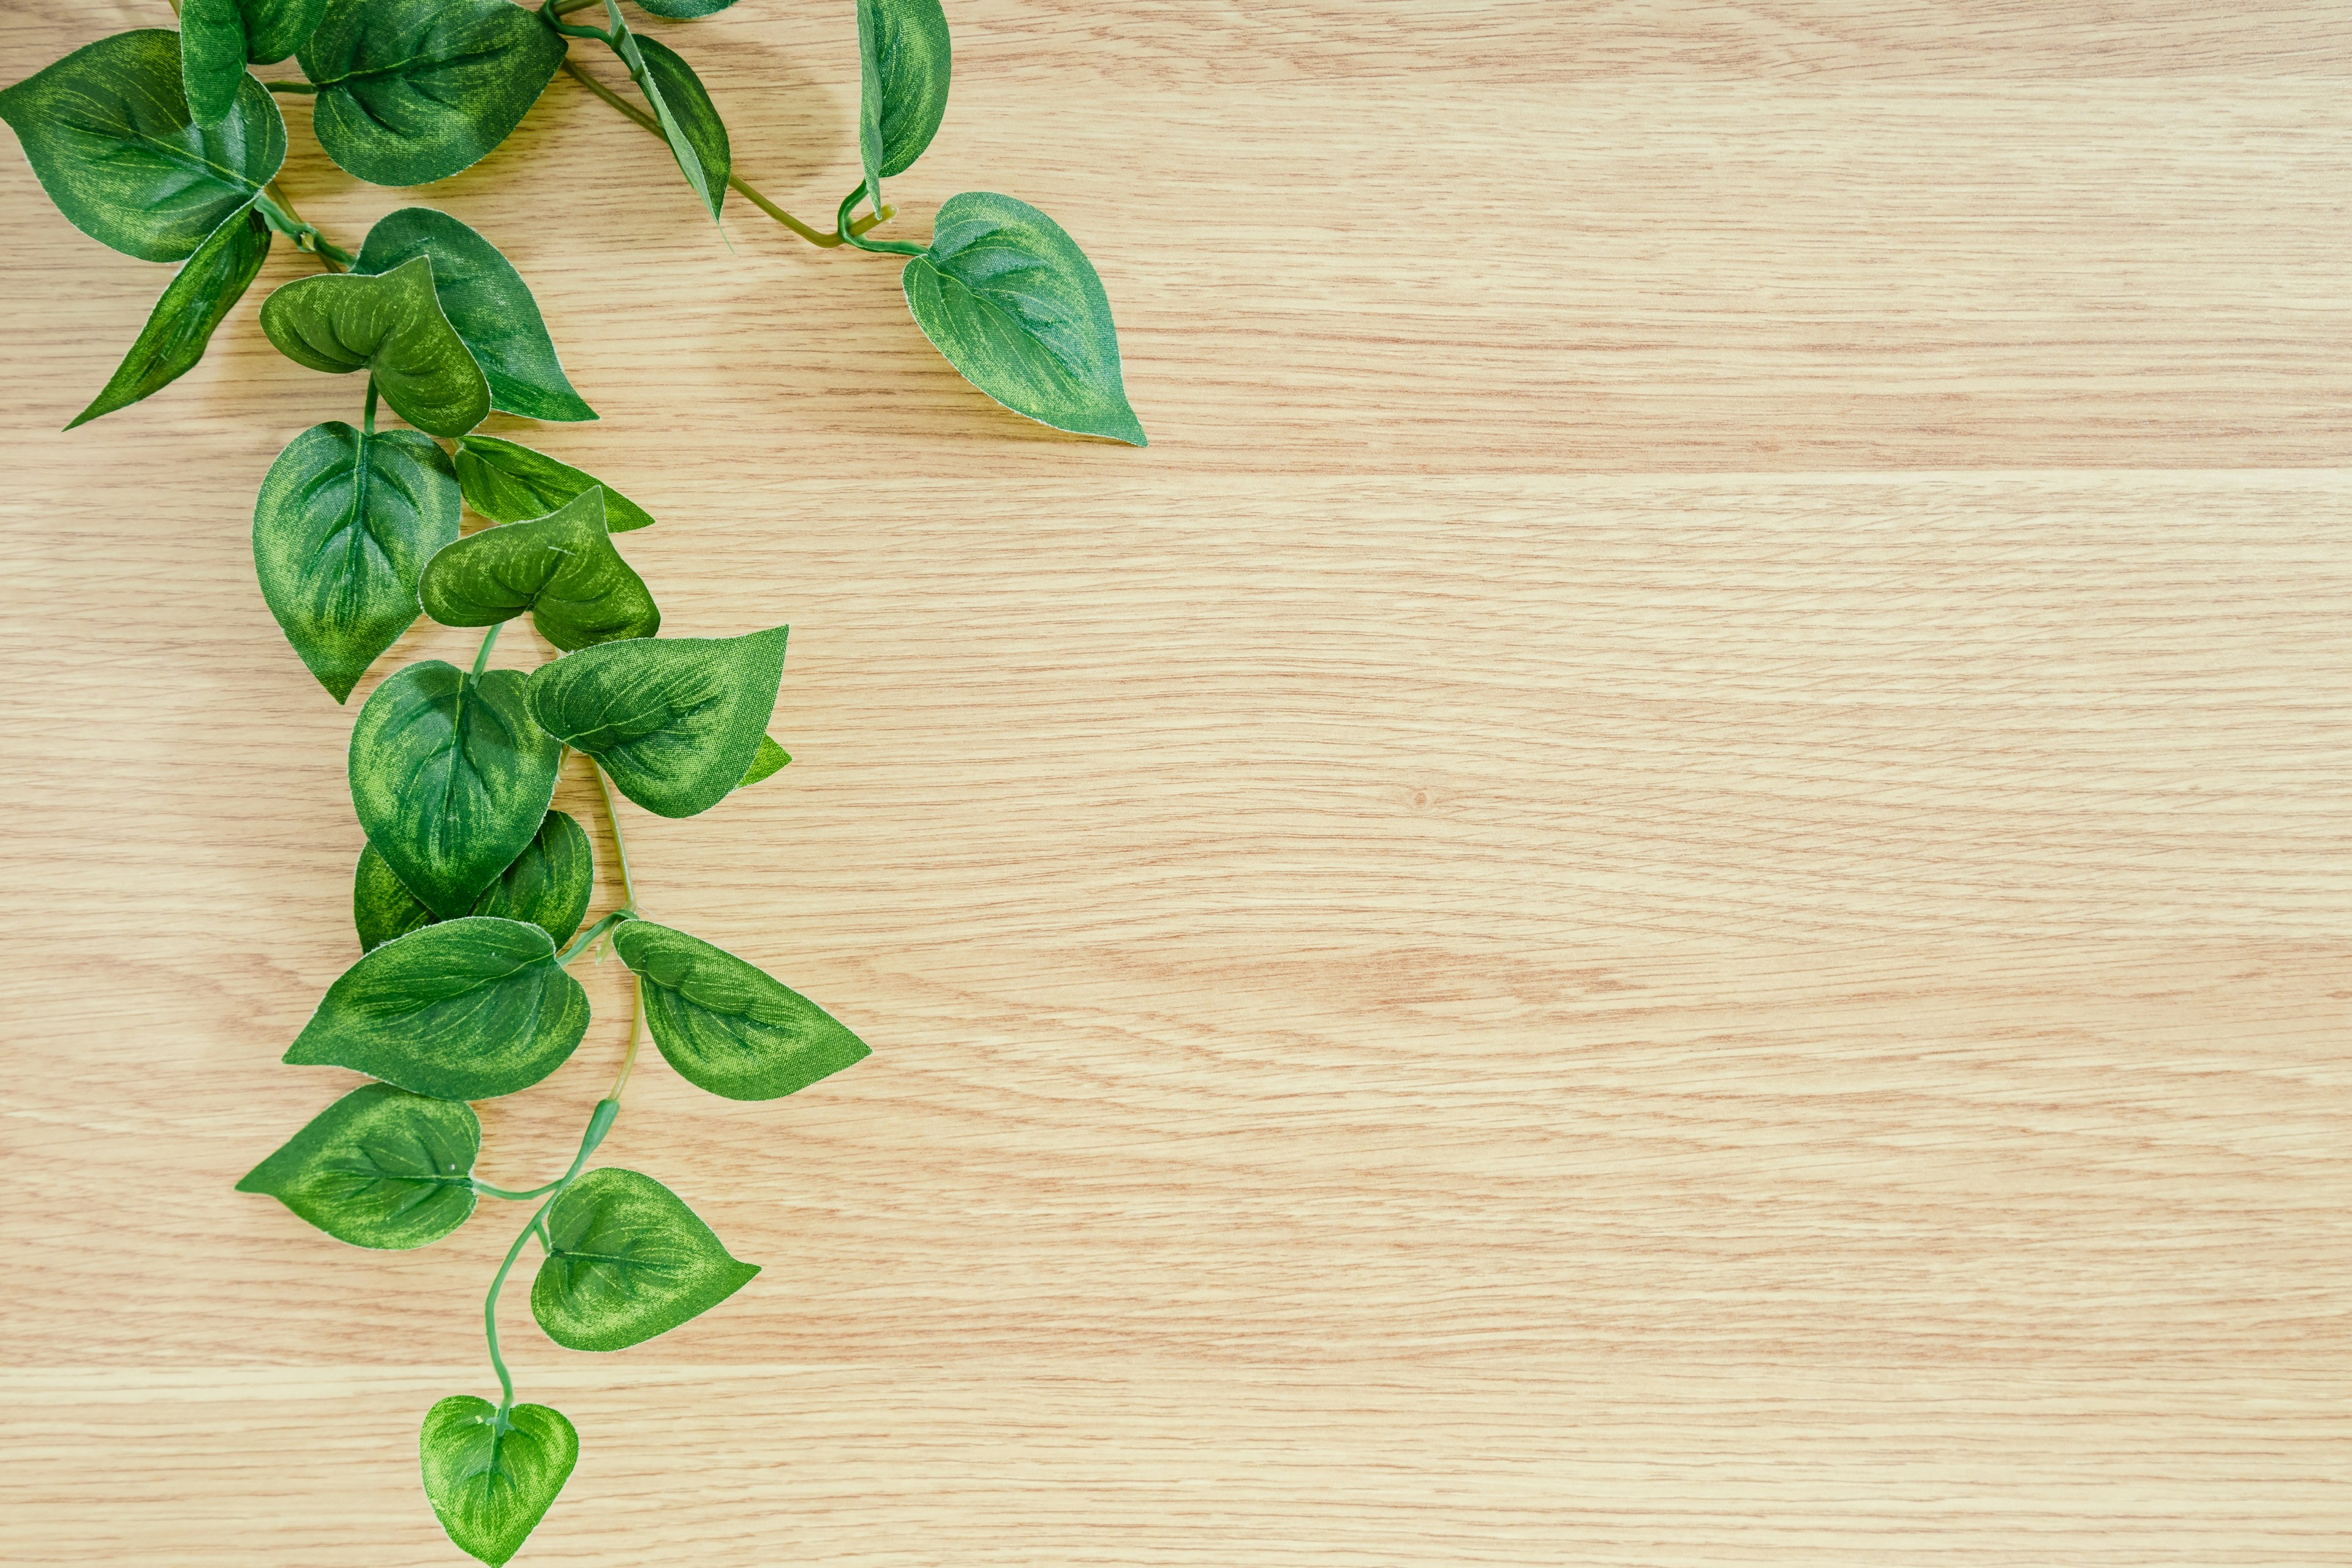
[{"x": 1670, "y": 884}]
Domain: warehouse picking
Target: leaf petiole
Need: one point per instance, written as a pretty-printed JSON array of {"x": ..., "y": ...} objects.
[
  {"x": 488, "y": 1190},
  {"x": 489, "y": 640},
  {"x": 304, "y": 87},
  {"x": 579, "y": 943},
  {"x": 599, "y": 1123},
  {"x": 279, "y": 215},
  {"x": 853, "y": 233}
]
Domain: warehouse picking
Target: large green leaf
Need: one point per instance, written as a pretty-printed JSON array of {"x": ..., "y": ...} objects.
[
  {"x": 507, "y": 483},
  {"x": 627, "y": 1260},
  {"x": 413, "y": 90},
  {"x": 342, "y": 530},
  {"x": 206, "y": 286},
  {"x": 469, "y": 1009},
  {"x": 491, "y": 1480},
  {"x": 549, "y": 885},
  {"x": 769, "y": 760},
  {"x": 689, "y": 123},
  {"x": 107, "y": 130},
  {"x": 725, "y": 1026},
  {"x": 905, "y": 60},
  {"x": 488, "y": 302},
  {"x": 451, "y": 778},
  {"x": 391, "y": 325},
  {"x": 379, "y": 1167},
  {"x": 562, "y": 568},
  {"x": 675, "y": 722},
  {"x": 217, "y": 38}
]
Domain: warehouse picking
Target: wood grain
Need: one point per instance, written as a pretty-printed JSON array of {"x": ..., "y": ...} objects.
[{"x": 1672, "y": 884}]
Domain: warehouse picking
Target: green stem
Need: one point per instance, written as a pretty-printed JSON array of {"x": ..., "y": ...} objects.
[
  {"x": 579, "y": 943},
  {"x": 279, "y": 214},
  {"x": 599, "y": 1124},
  {"x": 488, "y": 1190},
  {"x": 304, "y": 87},
  {"x": 368, "y": 426},
  {"x": 489, "y": 640},
  {"x": 854, "y": 234},
  {"x": 550, "y": 11},
  {"x": 620, "y": 843}
]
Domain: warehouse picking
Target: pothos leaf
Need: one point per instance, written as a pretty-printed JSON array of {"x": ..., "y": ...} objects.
[
  {"x": 217, "y": 38},
  {"x": 1014, "y": 305},
  {"x": 488, "y": 302},
  {"x": 769, "y": 759},
  {"x": 549, "y": 885},
  {"x": 627, "y": 1260},
  {"x": 207, "y": 286},
  {"x": 391, "y": 326},
  {"x": 683, "y": 10},
  {"x": 379, "y": 1167},
  {"x": 510, "y": 483},
  {"x": 562, "y": 568},
  {"x": 491, "y": 1481},
  {"x": 689, "y": 121},
  {"x": 413, "y": 90},
  {"x": 109, "y": 133},
  {"x": 725, "y": 1026},
  {"x": 674, "y": 721},
  {"x": 342, "y": 530},
  {"x": 905, "y": 61},
  {"x": 469, "y": 1009}
]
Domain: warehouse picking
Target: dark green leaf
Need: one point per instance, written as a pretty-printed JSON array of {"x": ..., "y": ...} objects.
[
  {"x": 903, "y": 50},
  {"x": 507, "y": 483},
  {"x": 107, "y": 130},
  {"x": 1014, "y": 305},
  {"x": 390, "y": 325},
  {"x": 549, "y": 885},
  {"x": 379, "y": 1167},
  {"x": 627, "y": 1261},
  {"x": 683, "y": 10},
  {"x": 217, "y": 38},
  {"x": 469, "y": 1009},
  {"x": 697, "y": 136},
  {"x": 342, "y": 530},
  {"x": 562, "y": 568},
  {"x": 488, "y": 302},
  {"x": 770, "y": 759},
  {"x": 675, "y": 722},
  {"x": 725, "y": 1026},
  {"x": 206, "y": 286},
  {"x": 491, "y": 1481},
  {"x": 413, "y": 90},
  {"x": 451, "y": 778}
]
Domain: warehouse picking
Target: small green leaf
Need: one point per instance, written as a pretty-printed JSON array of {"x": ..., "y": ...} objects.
[
  {"x": 562, "y": 568},
  {"x": 342, "y": 530},
  {"x": 683, "y": 10},
  {"x": 725, "y": 1026},
  {"x": 689, "y": 123},
  {"x": 490, "y": 1481},
  {"x": 507, "y": 483},
  {"x": 549, "y": 885},
  {"x": 451, "y": 778},
  {"x": 1015, "y": 306},
  {"x": 488, "y": 302},
  {"x": 390, "y": 325},
  {"x": 108, "y": 132},
  {"x": 204, "y": 290},
  {"x": 627, "y": 1261},
  {"x": 413, "y": 90},
  {"x": 770, "y": 759},
  {"x": 906, "y": 60},
  {"x": 217, "y": 38},
  {"x": 379, "y": 1167},
  {"x": 469, "y": 1009},
  {"x": 675, "y": 722}
]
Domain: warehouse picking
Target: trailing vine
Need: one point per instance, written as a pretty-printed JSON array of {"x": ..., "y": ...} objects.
[{"x": 470, "y": 898}]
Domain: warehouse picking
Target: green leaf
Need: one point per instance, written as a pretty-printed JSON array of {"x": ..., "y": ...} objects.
[
  {"x": 206, "y": 289},
  {"x": 770, "y": 759},
  {"x": 217, "y": 38},
  {"x": 469, "y": 1009},
  {"x": 697, "y": 136},
  {"x": 549, "y": 885},
  {"x": 379, "y": 1167},
  {"x": 390, "y": 325},
  {"x": 725, "y": 1026},
  {"x": 342, "y": 530},
  {"x": 108, "y": 132},
  {"x": 675, "y": 722},
  {"x": 683, "y": 10},
  {"x": 562, "y": 568},
  {"x": 507, "y": 483},
  {"x": 413, "y": 90},
  {"x": 451, "y": 778},
  {"x": 906, "y": 60},
  {"x": 627, "y": 1261},
  {"x": 1014, "y": 305},
  {"x": 490, "y": 1481},
  {"x": 490, "y": 305}
]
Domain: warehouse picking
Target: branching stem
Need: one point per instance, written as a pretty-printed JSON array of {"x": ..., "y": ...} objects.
[
  {"x": 599, "y": 1124},
  {"x": 853, "y": 233}
]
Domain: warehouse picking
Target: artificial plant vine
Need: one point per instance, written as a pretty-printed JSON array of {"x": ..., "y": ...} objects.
[{"x": 470, "y": 894}]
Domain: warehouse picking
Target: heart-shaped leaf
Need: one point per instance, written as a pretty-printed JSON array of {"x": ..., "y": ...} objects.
[
  {"x": 391, "y": 325},
  {"x": 549, "y": 885},
  {"x": 562, "y": 568},
  {"x": 1014, "y": 305},
  {"x": 108, "y": 132},
  {"x": 217, "y": 38},
  {"x": 490, "y": 305},
  {"x": 627, "y": 1260},
  {"x": 905, "y": 60},
  {"x": 688, "y": 121},
  {"x": 379, "y": 1167},
  {"x": 469, "y": 1009},
  {"x": 451, "y": 778},
  {"x": 507, "y": 483},
  {"x": 413, "y": 90},
  {"x": 725, "y": 1026},
  {"x": 683, "y": 10},
  {"x": 207, "y": 286},
  {"x": 769, "y": 759},
  {"x": 491, "y": 1480},
  {"x": 342, "y": 530},
  {"x": 675, "y": 722}
]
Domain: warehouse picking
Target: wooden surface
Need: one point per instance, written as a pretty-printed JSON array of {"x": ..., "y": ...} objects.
[{"x": 1670, "y": 884}]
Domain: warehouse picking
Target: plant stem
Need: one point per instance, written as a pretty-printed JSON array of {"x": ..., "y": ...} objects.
[
  {"x": 579, "y": 943},
  {"x": 368, "y": 426},
  {"x": 488, "y": 1190},
  {"x": 620, "y": 843},
  {"x": 304, "y": 87},
  {"x": 279, "y": 214},
  {"x": 854, "y": 233},
  {"x": 599, "y": 1123},
  {"x": 489, "y": 639}
]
